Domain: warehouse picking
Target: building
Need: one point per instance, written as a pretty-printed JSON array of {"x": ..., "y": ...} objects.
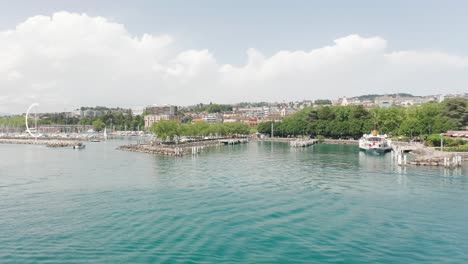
[
  {"x": 137, "y": 111},
  {"x": 159, "y": 113},
  {"x": 213, "y": 118},
  {"x": 90, "y": 113},
  {"x": 162, "y": 110},
  {"x": 151, "y": 119}
]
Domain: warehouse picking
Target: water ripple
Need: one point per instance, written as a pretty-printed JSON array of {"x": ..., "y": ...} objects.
[{"x": 256, "y": 203}]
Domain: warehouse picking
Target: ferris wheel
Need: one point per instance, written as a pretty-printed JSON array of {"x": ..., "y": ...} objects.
[{"x": 35, "y": 120}]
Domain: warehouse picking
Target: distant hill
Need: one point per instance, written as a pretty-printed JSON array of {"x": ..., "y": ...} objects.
[{"x": 373, "y": 96}]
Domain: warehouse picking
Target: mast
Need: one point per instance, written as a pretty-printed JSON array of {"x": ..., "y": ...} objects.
[{"x": 272, "y": 128}]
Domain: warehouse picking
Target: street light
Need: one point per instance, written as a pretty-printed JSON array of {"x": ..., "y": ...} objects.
[{"x": 441, "y": 141}]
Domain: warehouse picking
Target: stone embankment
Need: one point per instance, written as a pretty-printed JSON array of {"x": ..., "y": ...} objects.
[
  {"x": 190, "y": 148},
  {"x": 54, "y": 143},
  {"x": 268, "y": 139},
  {"x": 302, "y": 143},
  {"x": 341, "y": 141},
  {"x": 430, "y": 157},
  {"x": 326, "y": 141},
  {"x": 421, "y": 155}
]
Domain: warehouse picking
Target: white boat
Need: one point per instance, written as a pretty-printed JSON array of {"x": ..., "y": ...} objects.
[
  {"x": 105, "y": 133},
  {"x": 375, "y": 142},
  {"x": 79, "y": 146}
]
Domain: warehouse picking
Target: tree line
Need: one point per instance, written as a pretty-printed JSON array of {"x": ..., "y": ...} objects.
[
  {"x": 354, "y": 121},
  {"x": 114, "y": 120},
  {"x": 170, "y": 129}
]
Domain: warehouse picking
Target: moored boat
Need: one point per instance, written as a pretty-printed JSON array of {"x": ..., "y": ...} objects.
[
  {"x": 79, "y": 146},
  {"x": 375, "y": 142}
]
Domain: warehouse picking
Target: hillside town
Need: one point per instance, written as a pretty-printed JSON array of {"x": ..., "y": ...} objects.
[
  {"x": 255, "y": 113},
  {"x": 250, "y": 113}
]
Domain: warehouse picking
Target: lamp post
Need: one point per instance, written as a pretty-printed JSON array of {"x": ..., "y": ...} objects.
[{"x": 441, "y": 141}]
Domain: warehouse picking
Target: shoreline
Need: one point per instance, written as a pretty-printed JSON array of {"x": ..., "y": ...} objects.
[
  {"x": 49, "y": 142},
  {"x": 326, "y": 141}
]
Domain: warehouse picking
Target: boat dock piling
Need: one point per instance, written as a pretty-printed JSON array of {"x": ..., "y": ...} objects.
[
  {"x": 401, "y": 159},
  {"x": 302, "y": 143},
  {"x": 452, "y": 162},
  {"x": 197, "y": 149}
]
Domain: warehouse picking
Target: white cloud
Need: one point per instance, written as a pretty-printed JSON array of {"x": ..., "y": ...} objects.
[{"x": 71, "y": 59}]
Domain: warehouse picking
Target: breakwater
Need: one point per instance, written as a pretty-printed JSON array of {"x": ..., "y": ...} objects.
[
  {"x": 49, "y": 142},
  {"x": 421, "y": 155},
  {"x": 438, "y": 158},
  {"x": 190, "y": 148},
  {"x": 301, "y": 143}
]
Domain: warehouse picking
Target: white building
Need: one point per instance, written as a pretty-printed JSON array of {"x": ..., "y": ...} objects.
[
  {"x": 151, "y": 119},
  {"x": 213, "y": 118}
]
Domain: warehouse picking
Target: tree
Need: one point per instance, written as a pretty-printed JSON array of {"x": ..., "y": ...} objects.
[
  {"x": 166, "y": 129},
  {"x": 322, "y": 102},
  {"x": 98, "y": 125},
  {"x": 456, "y": 110}
]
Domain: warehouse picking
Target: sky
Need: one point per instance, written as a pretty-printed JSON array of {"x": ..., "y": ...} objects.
[{"x": 66, "y": 54}]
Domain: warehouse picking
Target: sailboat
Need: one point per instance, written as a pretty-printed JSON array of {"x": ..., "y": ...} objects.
[{"x": 105, "y": 133}]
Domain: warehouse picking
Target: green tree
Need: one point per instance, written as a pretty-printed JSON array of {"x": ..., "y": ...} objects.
[
  {"x": 456, "y": 110},
  {"x": 166, "y": 129},
  {"x": 98, "y": 125}
]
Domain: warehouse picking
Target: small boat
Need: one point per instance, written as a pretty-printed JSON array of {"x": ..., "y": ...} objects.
[
  {"x": 95, "y": 140},
  {"x": 79, "y": 146},
  {"x": 375, "y": 142}
]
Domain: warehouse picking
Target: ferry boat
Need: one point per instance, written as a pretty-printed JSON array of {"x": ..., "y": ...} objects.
[{"x": 375, "y": 142}]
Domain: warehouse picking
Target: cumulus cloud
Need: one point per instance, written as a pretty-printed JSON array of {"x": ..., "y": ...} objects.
[{"x": 68, "y": 60}]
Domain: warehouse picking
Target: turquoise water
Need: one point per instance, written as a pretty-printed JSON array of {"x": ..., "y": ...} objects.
[{"x": 255, "y": 203}]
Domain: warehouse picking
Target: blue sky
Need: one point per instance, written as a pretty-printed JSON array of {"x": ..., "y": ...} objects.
[{"x": 59, "y": 52}]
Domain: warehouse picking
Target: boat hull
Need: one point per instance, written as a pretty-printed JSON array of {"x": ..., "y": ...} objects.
[{"x": 376, "y": 150}]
